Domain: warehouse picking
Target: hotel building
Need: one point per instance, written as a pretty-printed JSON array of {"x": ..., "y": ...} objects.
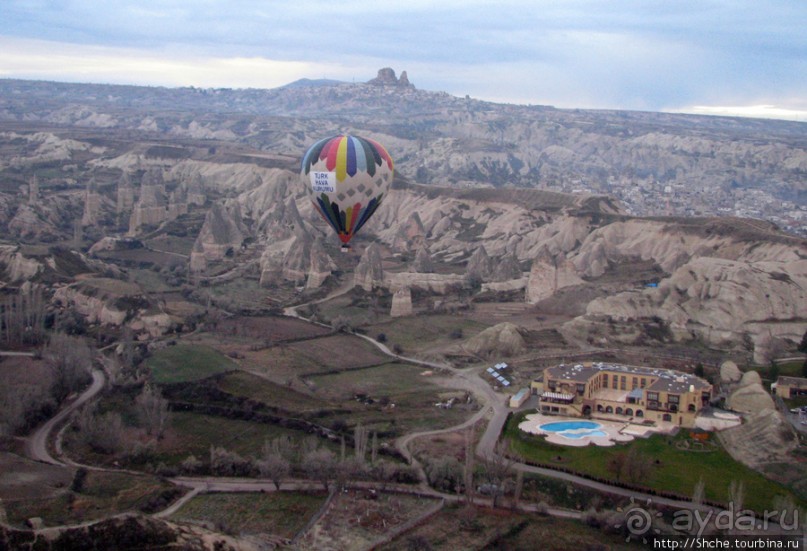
[{"x": 636, "y": 394}]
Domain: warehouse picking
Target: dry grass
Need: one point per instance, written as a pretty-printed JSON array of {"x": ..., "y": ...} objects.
[
  {"x": 356, "y": 519},
  {"x": 278, "y": 513}
]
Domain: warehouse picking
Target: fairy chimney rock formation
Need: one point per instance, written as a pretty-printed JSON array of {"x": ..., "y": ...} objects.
[
  {"x": 423, "y": 262},
  {"x": 480, "y": 266},
  {"x": 548, "y": 274},
  {"x": 401, "y": 303},
  {"x": 33, "y": 190},
  {"x": 221, "y": 233},
  {"x": 92, "y": 204},
  {"x": 125, "y": 195},
  {"x": 369, "y": 272},
  {"x": 410, "y": 235},
  {"x": 507, "y": 268},
  {"x": 321, "y": 265}
]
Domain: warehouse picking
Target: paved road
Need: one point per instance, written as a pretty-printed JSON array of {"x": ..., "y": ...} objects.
[
  {"x": 11, "y": 353},
  {"x": 37, "y": 445},
  {"x": 496, "y": 403},
  {"x": 207, "y": 484}
]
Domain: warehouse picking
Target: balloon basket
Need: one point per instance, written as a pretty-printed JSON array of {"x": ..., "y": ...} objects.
[{"x": 345, "y": 248}]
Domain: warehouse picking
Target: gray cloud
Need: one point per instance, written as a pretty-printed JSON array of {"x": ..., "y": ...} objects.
[{"x": 635, "y": 54}]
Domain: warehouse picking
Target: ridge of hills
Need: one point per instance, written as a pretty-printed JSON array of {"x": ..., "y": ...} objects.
[
  {"x": 653, "y": 163},
  {"x": 213, "y": 173}
]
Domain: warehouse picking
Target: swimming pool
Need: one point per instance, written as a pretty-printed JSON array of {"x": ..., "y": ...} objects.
[{"x": 574, "y": 430}]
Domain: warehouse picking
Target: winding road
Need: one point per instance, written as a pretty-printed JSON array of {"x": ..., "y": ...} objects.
[
  {"x": 36, "y": 447},
  {"x": 494, "y": 409}
]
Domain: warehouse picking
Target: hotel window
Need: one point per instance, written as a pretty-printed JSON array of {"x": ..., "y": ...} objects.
[
  {"x": 581, "y": 389},
  {"x": 634, "y": 383},
  {"x": 615, "y": 382},
  {"x": 672, "y": 398},
  {"x": 552, "y": 386},
  {"x": 623, "y": 383},
  {"x": 652, "y": 396},
  {"x": 605, "y": 380},
  {"x": 644, "y": 382}
]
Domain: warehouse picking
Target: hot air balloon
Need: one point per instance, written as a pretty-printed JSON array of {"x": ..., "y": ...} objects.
[{"x": 347, "y": 178}]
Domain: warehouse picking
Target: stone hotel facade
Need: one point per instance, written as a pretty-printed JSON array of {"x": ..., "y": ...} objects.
[{"x": 635, "y": 394}]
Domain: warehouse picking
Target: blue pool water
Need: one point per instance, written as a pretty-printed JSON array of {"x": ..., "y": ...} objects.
[{"x": 574, "y": 430}]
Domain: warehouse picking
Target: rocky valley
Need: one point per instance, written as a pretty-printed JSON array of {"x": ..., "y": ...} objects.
[{"x": 156, "y": 221}]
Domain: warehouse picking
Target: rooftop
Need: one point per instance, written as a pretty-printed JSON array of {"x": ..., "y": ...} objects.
[
  {"x": 798, "y": 382},
  {"x": 666, "y": 380}
]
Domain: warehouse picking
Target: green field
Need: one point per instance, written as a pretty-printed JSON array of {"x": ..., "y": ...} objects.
[
  {"x": 195, "y": 433},
  {"x": 404, "y": 397},
  {"x": 672, "y": 468},
  {"x": 416, "y": 333},
  {"x": 241, "y": 383},
  {"x": 456, "y": 527},
  {"x": 100, "y": 495},
  {"x": 184, "y": 363},
  {"x": 279, "y": 513}
]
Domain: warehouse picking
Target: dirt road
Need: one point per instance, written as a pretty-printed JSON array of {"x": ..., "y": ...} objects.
[{"x": 36, "y": 447}]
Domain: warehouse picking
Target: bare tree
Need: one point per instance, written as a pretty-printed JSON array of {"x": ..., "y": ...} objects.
[
  {"x": 274, "y": 463},
  {"x": 22, "y": 406},
  {"x": 519, "y": 488},
  {"x": 383, "y": 472},
  {"x": 498, "y": 470},
  {"x": 374, "y": 449},
  {"x": 444, "y": 473},
  {"x": 71, "y": 360},
  {"x": 360, "y": 442},
  {"x": 320, "y": 465},
  {"x": 22, "y": 316},
  {"x": 101, "y": 432},
  {"x": 228, "y": 463},
  {"x": 341, "y": 324},
  {"x": 699, "y": 492},
  {"x": 737, "y": 494},
  {"x": 191, "y": 465},
  {"x": 632, "y": 466},
  {"x": 469, "y": 464},
  {"x": 152, "y": 409}
]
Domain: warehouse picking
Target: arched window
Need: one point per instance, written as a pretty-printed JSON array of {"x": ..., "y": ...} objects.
[
  {"x": 639, "y": 413},
  {"x": 629, "y": 412},
  {"x": 609, "y": 409},
  {"x": 619, "y": 411},
  {"x": 666, "y": 417}
]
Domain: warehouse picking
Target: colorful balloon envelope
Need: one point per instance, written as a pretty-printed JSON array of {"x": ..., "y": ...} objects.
[{"x": 347, "y": 178}]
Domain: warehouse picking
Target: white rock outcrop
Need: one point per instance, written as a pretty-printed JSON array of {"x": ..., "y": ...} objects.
[
  {"x": 750, "y": 396},
  {"x": 503, "y": 339},
  {"x": 730, "y": 373},
  {"x": 401, "y": 303},
  {"x": 548, "y": 274},
  {"x": 369, "y": 273}
]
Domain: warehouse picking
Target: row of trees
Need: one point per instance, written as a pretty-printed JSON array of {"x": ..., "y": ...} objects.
[
  {"x": 22, "y": 318},
  {"x": 69, "y": 360},
  {"x": 104, "y": 432},
  {"x": 282, "y": 458}
]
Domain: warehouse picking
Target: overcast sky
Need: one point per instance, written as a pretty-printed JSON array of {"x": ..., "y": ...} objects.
[{"x": 708, "y": 56}]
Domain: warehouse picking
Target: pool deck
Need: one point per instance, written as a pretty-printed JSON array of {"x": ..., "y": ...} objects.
[{"x": 616, "y": 431}]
